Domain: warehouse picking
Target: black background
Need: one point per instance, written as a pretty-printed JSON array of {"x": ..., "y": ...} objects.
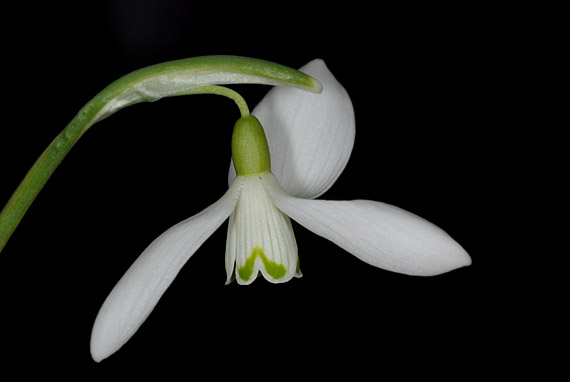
[{"x": 427, "y": 141}]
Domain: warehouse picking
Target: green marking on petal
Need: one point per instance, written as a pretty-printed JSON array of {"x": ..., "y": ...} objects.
[{"x": 274, "y": 269}]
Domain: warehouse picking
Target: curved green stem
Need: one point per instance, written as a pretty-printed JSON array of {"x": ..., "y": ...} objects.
[
  {"x": 223, "y": 91},
  {"x": 181, "y": 77}
]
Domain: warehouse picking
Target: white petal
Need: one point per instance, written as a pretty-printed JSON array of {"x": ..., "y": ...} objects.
[
  {"x": 136, "y": 294},
  {"x": 377, "y": 233},
  {"x": 260, "y": 238},
  {"x": 310, "y": 136}
]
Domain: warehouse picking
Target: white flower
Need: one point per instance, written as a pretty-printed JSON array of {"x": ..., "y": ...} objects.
[{"x": 310, "y": 138}]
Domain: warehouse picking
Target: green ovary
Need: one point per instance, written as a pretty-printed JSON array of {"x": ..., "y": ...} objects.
[
  {"x": 250, "y": 150},
  {"x": 274, "y": 269}
]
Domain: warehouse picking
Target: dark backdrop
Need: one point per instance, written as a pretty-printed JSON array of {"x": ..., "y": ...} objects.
[{"x": 427, "y": 141}]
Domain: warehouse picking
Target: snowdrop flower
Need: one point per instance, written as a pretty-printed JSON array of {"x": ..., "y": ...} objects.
[
  {"x": 275, "y": 176},
  {"x": 288, "y": 152}
]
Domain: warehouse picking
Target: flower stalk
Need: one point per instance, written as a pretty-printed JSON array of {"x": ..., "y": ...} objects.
[{"x": 198, "y": 75}]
